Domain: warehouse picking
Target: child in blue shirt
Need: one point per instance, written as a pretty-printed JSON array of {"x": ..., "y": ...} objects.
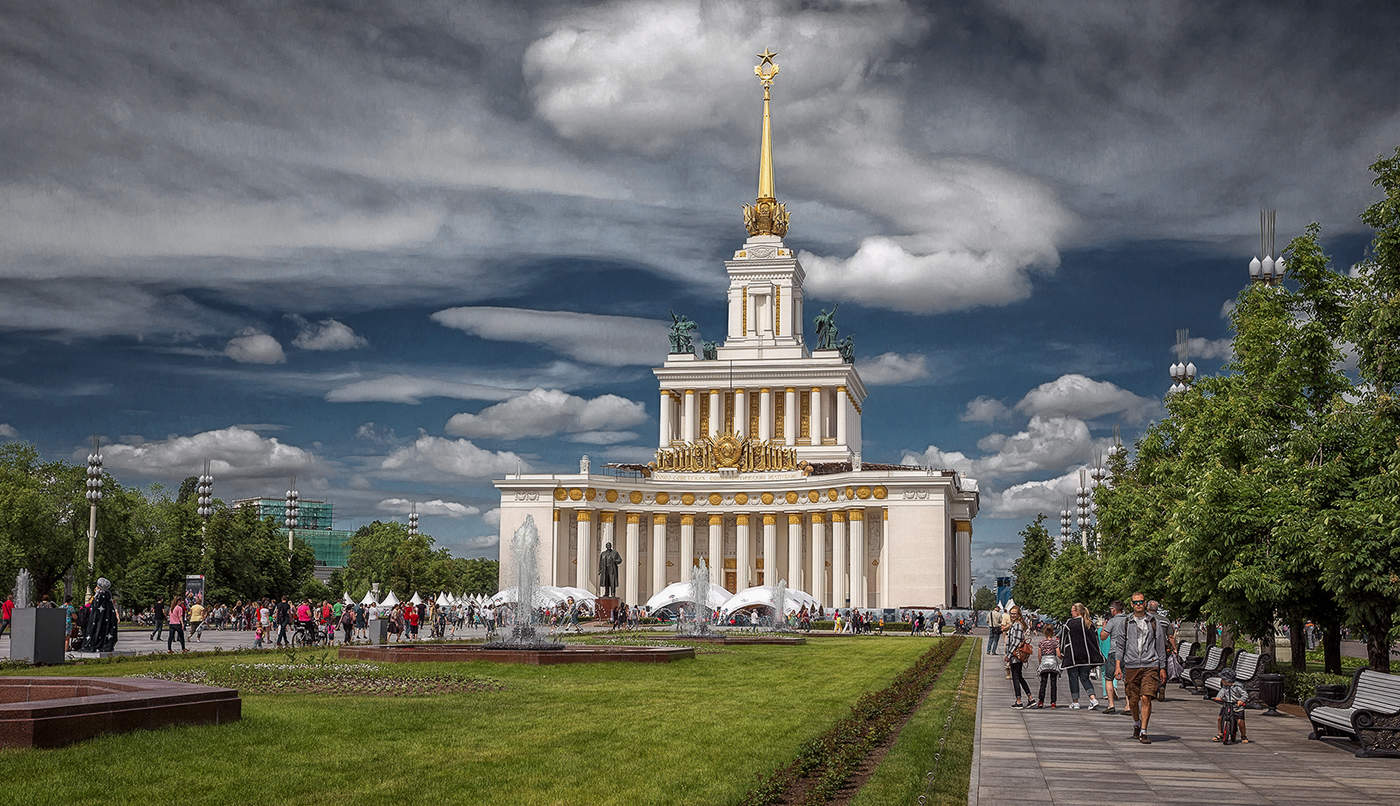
[{"x": 1231, "y": 695}]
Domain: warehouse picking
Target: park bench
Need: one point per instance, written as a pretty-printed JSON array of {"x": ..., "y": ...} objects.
[
  {"x": 1248, "y": 666},
  {"x": 1369, "y": 713},
  {"x": 1194, "y": 677}
]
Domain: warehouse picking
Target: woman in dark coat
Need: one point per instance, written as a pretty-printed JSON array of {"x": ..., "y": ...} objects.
[{"x": 1079, "y": 648}]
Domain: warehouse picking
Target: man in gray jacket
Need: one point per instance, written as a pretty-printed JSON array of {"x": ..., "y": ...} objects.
[{"x": 1142, "y": 663}]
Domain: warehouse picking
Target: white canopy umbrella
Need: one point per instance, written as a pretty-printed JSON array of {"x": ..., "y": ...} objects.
[
  {"x": 369, "y": 598},
  {"x": 389, "y": 601},
  {"x": 678, "y": 593},
  {"x": 416, "y": 600},
  {"x": 763, "y": 596}
]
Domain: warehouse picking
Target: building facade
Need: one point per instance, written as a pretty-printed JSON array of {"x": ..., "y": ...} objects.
[{"x": 758, "y": 469}]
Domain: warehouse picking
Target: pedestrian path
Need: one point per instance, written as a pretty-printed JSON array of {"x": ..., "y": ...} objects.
[{"x": 1087, "y": 757}]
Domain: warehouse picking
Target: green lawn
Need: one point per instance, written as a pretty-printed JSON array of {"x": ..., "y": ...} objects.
[
  {"x": 694, "y": 731},
  {"x": 900, "y": 777}
]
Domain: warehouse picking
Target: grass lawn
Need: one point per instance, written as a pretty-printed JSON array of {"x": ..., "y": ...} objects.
[
  {"x": 693, "y": 731},
  {"x": 900, "y": 777}
]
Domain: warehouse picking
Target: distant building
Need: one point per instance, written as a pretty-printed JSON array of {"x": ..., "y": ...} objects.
[{"x": 314, "y": 519}]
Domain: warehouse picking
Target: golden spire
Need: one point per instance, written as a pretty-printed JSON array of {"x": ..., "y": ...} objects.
[{"x": 767, "y": 215}]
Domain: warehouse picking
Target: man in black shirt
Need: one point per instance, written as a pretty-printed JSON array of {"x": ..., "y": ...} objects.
[
  {"x": 158, "y": 612},
  {"x": 284, "y": 616}
]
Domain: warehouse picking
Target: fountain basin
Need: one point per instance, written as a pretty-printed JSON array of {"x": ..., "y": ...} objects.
[
  {"x": 569, "y": 653},
  {"x": 54, "y": 711}
]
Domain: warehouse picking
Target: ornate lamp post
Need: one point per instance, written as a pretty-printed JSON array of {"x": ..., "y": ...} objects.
[
  {"x": 413, "y": 519},
  {"x": 1066, "y": 521},
  {"x": 205, "y": 492},
  {"x": 93, "y": 495},
  {"x": 1183, "y": 371},
  {"x": 1084, "y": 500},
  {"x": 1268, "y": 271},
  {"x": 290, "y": 521}
]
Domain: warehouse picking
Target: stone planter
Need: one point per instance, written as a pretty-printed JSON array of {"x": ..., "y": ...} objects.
[{"x": 37, "y": 635}]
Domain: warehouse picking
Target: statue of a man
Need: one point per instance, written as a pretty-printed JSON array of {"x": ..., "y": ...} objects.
[
  {"x": 826, "y": 329},
  {"x": 608, "y": 561}
]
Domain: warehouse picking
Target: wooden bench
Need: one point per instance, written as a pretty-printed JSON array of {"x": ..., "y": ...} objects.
[
  {"x": 1248, "y": 665},
  {"x": 1369, "y": 713},
  {"x": 1215, "y": 660}
]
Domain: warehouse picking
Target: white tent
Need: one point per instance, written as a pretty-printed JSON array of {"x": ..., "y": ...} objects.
[
  {"x": 451, "y": 600},
  {"x": 762, "y": 596},
  {"x": 416, "y": 600},
  {"x": 579, "y": 594},
  {"x": 441, "y": 598},
  {"x": 678, "y": 593},
  {"x": 389, "y": 601},
  {"x": 369, "y": 598},
  {"x": 345, "y": 597},
  {"x": 545, "y": 596}
]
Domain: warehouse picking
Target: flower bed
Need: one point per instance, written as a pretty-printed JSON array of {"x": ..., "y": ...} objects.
[
  {"x": 825, "y": 764},
  {"x": 328, "y": 678}
]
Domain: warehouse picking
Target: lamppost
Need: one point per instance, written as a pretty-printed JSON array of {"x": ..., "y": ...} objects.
[
  {"x": 94, "y": 494},
  {"x": 413, "y": 519},
  {"x": 1183, "y": 371},
  {"x": 205, "y": 492},
  {"x": 1066, "y": 522},
  {"x": 290, "y": 521},
  {"x": 1268, "y": 271}
]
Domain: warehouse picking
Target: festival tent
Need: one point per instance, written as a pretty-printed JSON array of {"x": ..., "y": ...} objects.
[
  {"x": 416, "y": 600},
  {"x": 679, "y": 593},
  {"x": 763, "y": 595},
  {"x": 579, "y": 594},
  {"x": 369, "y": 598},
  {"x": 389, "y": 601}
]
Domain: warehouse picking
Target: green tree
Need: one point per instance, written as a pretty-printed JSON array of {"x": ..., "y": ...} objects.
[
  {"x": 1031, "y": 569},
  {"x": 984, "y": 599}
]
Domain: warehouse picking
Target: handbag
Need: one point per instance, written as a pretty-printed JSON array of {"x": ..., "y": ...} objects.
[{"x": 1021, "y": 653}]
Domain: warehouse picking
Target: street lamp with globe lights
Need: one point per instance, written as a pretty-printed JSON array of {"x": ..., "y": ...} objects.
[{"x": 93, "y": 495}]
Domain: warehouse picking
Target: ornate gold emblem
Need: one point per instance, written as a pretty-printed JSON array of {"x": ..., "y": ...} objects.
[
  {"x": 635, "y": 497},
  {"x": 862, "y": 492},
  {"x": 715, "y": 498},
  {"x": 611, "y": 495},
  {"x": 741, "y": 498},
  {"x": 766, "y": 498},
  {"x": 791, "y": 497},
  {"x": 662, "y": 498},
  {"x": 813, "y": 496},
  {"x": 576, "y": 494},
  {"x": 560, "y": 493},
  {"x": 708, "y": 454},
  {"x": 687, "y": 498},
  {"x": 880, "y": 493}
]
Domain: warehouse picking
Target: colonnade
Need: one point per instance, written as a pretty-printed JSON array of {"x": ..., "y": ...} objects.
[
  {"x": 814, "y": 416},
  {"x": 755, "y": 548}
]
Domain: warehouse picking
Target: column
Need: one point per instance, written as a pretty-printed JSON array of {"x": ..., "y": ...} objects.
[
  {"x": 687, "y": 558},
  {"x": 841, "y": 406},
  {"x": 790, "y": 414},
  {"x": 857, "y": 518},
  {"x": 884, "y": 557},
  {"x": 741, "y": 553},
  {"x": 632, "y": 560},
  {"x": 658, "y": 553},
  {"x": 770, "y": 549},
  {"x": 963, "y": 571},
  {"x": 765, "y": 413},
  {"x": 818, "y": 555},
  {"x": 795, "y": 552},
  {"x": 741, "y": 412},
  {"x": 665, "y": 435},
  {"x": 716, "y": 550},
  {"x": 838, "y": 559},
  {"x": 815, "y": 428},
  {"x": 689, "y": 427},
  {"x": 716, "y": 413},
  {"x": 585, "y": 549},
  {"x": 554, "y": 545}
]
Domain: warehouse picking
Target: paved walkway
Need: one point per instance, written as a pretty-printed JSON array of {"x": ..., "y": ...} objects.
[{"x": 1087, "y": 757}]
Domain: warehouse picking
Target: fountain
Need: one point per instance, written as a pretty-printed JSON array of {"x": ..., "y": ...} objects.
[
  {"x": 524, "y": 548},
  {"x": 524, "y": 644},
  {"x": 22, "y": 588},
  {"x": 696, "y": 621},
  {"x": 779, "y": 622}
]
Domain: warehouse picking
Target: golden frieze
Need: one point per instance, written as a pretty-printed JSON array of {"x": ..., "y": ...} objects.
[{"x": 709, "y": 454}]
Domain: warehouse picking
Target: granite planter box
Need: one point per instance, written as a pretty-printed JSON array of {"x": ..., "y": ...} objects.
[{"x": 37, "y": 635}]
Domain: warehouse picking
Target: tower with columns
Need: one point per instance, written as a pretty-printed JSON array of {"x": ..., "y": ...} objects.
[{"x": 760, "y": 449}]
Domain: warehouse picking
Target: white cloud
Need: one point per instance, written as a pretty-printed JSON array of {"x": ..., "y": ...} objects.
[
  {"x": 602, "y": 437},
  {"x": 492, "y": 516},
  {"x": 1033, "y": 497},
  {"x": 594, "y": 338},
  {"x": 1047, "y": 443},
  {"x": 888, "y": 369},
  {"x": 437, "y": 507},
  {"x": 254, "y": 347},
  {"x": 8, "y": 431},
  {"x": 411, "y": 389},
  {"x": 371, "y": 432},
  {"x": 327, "y": 334},
  {"x": 983, "y": 409},
  {"x": 544, "y": 412},
  {"x": 234, "y": 453},
  {"x": 1078, "y": 396},
  {"x": 429, "y": 457},
  {"x": 994, "y": 551},
  {"x": 1199, "y": 347}
]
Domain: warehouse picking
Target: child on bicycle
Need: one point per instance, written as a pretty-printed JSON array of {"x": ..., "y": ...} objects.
[{"x": 1232, "y": 697}]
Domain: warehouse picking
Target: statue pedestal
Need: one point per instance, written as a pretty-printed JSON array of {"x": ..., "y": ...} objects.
[
  {"x": 605, "y": 606},
  {"x": 37, "y": 635},
  {"x": 378, "y": 631}
]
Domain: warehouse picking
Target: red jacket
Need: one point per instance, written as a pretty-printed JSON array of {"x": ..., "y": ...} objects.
[{"x": 6, "y": 609}]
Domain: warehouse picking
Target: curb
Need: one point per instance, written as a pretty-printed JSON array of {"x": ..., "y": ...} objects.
[{"x": 974, "y": 773}]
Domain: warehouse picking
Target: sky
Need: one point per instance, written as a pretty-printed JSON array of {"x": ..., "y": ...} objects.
[{"x": 397, "y": 249}]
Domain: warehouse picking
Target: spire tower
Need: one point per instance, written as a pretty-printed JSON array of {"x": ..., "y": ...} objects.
[{"x": 767, "y": 215}]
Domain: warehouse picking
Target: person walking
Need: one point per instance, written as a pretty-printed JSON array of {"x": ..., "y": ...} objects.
[
  {"x": 1018, "y": 651},
  {"x": 158, "y": 617},
  {"x": 994, "y": 630},
  {"x": 7, "y": 611},
  {"x": 284, "y": 618},
  {"x": 1049, "y": 668},
  {"x": 1006, "y": 627},
  {"x": 177, "y": 624},
  {"x": 1107, "y": 633},
  {"x": 1079, "y": 648},
  {"x": 196, "y": 620},
  {"x": 1142, "y": 663}
]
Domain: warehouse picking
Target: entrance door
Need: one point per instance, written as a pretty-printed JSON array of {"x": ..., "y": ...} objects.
[{"x": 730, "y": 579}]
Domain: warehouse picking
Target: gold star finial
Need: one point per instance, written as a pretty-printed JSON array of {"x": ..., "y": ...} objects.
[
  {"x": 767, "y": 56},
  {"x": 765, "y": 60}
]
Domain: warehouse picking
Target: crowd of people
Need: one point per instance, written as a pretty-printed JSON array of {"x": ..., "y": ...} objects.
[{"x": 1129, "y": 652}]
